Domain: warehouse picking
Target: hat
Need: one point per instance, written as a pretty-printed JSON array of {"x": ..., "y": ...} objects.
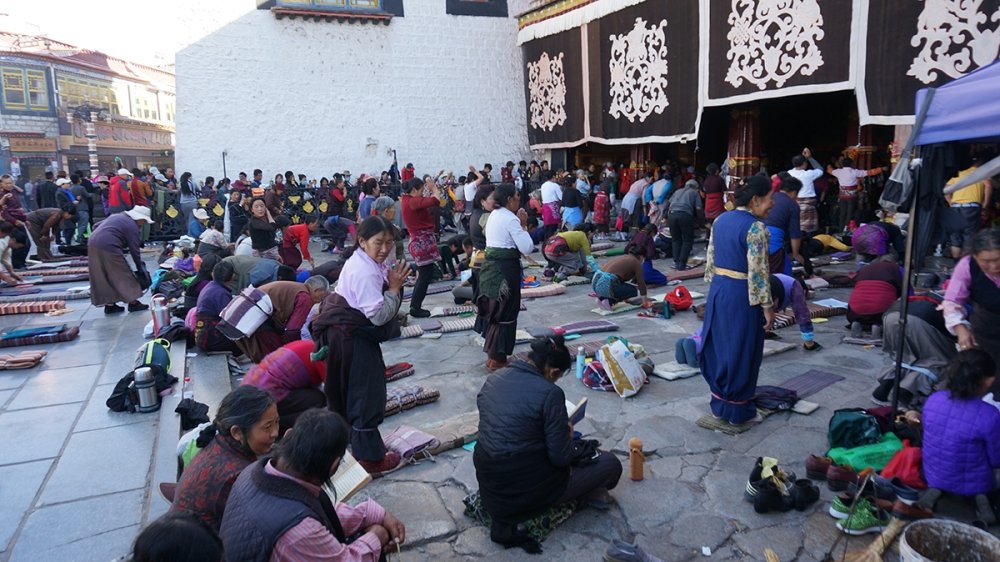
[
  {"x": 62, "y": 181},
  {"x": 200, "y": 214},
  {"x": 409, "y": 165},
  {"x": 140, "y": 213},
  {"x": 124, "y": 171},
  {"x": 157, "y": 177},
  {"x": 102, "y": 179},
  {"x": 346, "y": 173},
  {"x": 153, "y": 170}
]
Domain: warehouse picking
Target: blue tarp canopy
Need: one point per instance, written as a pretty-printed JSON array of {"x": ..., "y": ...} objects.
[{"x": 964, "y": 109}]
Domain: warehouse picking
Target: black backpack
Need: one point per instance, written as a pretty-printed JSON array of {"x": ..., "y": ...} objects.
[
  {"x": 853, "y": 427},
  {"x": 775, "y": 398},
  {"x": 125, "y": 398}
]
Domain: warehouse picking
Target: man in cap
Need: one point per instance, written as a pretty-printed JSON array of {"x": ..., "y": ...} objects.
[
  {"x": 119, "y": 196},
  {"x": 111, "y": 279}
]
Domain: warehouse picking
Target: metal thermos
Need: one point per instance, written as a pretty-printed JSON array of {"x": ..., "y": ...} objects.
[
  {"x": 145, "y": 387},
  {"x": 161, "y": 314}
]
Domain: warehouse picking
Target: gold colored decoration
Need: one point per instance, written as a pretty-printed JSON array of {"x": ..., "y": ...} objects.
[
  {"x": 308, "y": 207},
  {"x": 202, "y": 201},
  {"x": 322, "y": 207},
  {"x": 171, "y": 212},
  {"x": 218, "y": 210},
  {"x": 294, "y": 199},
  {"x": 296, "y": 219}
]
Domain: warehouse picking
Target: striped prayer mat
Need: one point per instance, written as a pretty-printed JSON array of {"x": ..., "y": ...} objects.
[
  {"x": 30, "y": 307},
  {"x": 810, "y": 382},
  {"x": 64, "y": 335},
  {"x": 19, "y": 291},
  {"x": 42, "y": 296},
  {"x": 410, "y": 332},
  {"x": 617, "y": 308},
  {"x": 601, "y": 246},
  {"x": 550, "y": 290},
  {"x": 459, "y": 325},
  {"x": 47, "y": 279},
  {"x": 783, "y": 320},
  {"x": 62, "y": 271},
  {"x": 432, "y": 290},
  {"x": 454, "y": 432},
  {"x": 574, "y": 280},
  {"x": 686, "y": 274},
  {"x": 439, "y": 311},
  {"x": 404, "y": 396}
]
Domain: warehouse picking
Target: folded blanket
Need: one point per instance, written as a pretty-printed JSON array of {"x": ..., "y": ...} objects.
[
  {"x": 61, "y": 271},
  {"x": 66, "y": 334},
  {"x": 30, "y": 307},
  {"x": 23, "y": 360},
  {"x": 43, "y": 296},
  {"x": 550, "y": 290},
  {"x": 401, "y": 397},
  {"x": 459, "y": 325},
  {"x": 439, "y": 311},
  {"x": 410, "y": 332}
]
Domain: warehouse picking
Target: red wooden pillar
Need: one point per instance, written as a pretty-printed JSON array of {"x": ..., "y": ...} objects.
[{"x": 744, "y": 143}]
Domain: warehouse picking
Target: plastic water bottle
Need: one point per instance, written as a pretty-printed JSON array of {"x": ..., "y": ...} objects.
[
  {"x": 580, "y": 362},
  {"x": 188, "y": 391}
]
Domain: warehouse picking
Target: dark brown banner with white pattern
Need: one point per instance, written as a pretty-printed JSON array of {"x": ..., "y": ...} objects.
[{"x": 553, "y": 78}]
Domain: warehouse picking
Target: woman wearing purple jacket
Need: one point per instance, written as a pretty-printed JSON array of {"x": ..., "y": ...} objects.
[{"x": 961, "y": 446}]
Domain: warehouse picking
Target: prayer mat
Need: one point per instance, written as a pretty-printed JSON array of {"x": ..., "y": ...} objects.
[
  {"x": 708, "y": 421},
  {"x": 62, "y": 271},
  {"x": 601, "y": 246},
  {"x": 398, "y": 371},
  {"x": 44, "y": 295},
  {"x": 772, "y": 347},
  {"x": 454, "y": 432},
  {"x": 617, "y": 308},
  {"x": 686, "y": 274},
  {"x": 673, "y": 370},
  {"x": 439, "y": 311},
  {"x": 432, "y": 290},
  {"x": 589, "y": 349},
  {"x": 459, "y": 325},
  {"x": 841, "y": 256},
  {"x": 60, "y": 335},
  {"x": 573, "y": 280},
  {"x": 410, "y": 332},
  {"x": 75, "y": 262},
  {"x": 818, "y": 261},
  {"x": 23, "y": 360},
  {"x": 400, "y": 397},
  {"x": 429, "y": 324},
  {"x": 19, "y": 291},
  {"x": 57, "y": 259},
  {"x": 583, "y": 327},
  {"x": 550, "y": 290},
  {"x": 47, "y": 279},
  {"x": 522, "y": 336},
  {"x": 810, "y": 382},
  {"x": 30, "y": 307},
  {"x": 863, "y": 341},
  {"x": 783, "y": 319},
  {"x": 538, "y": 527}
]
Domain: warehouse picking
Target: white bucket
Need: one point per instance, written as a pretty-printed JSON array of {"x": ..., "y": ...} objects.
[{"x": 937, "y": 540}]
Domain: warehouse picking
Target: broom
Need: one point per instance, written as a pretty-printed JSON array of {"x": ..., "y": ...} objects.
[{"x": 878, "y": 547}]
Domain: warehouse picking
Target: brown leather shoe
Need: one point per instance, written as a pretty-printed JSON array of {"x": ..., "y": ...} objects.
[
  {"x": 494, "y": 365},
  {"x": 910, "y": 512},
  {"x": 838, "y": 477},
  {"x": 167, "y": 490},
  {"x": 817, "y": 466},
  {"x": 389, "y": 463}
]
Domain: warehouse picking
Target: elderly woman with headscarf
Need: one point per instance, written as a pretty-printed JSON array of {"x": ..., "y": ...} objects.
[{"x": 111, "y": 279}]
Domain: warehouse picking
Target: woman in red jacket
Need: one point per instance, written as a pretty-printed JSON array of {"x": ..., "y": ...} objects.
[
  {"x": 298, "y": 235},
  {"x": 420, "y": 217}
]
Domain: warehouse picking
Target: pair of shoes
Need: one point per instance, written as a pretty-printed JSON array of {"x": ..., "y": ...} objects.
[
  {"x": 857, "y": 330},
  {"x": 910, "y": 512},
  {"x": 136, "y": 307},
  {"x": 840, "y": 508},
  {"x": 804, "y": 493},
  {"x": 865, "y": 519},
  {"x": 420, "y": 313},
  {"x": 773, "y": 494},
  {"x": 113, "y": 309},
  {"x": 494, "y": 365},
  {"x": 599, "y": 499},
  {"x": 764, "y": 468},
  {"x": 876, "y": 487},
  {"x": 838, "y": 477},
  {"x": 621, "y": 551},
  {"x": 390, "y": 462},
  {"x": 817, "y": 466}
]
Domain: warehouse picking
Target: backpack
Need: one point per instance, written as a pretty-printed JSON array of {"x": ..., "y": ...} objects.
[
  {"x": 125, "y": 398},
  {"x": 852, "y": 427},
  {"x": 154, "y": 354},
  {"x": 679, "y": 298},
  {"x": 775, "y": 398}
]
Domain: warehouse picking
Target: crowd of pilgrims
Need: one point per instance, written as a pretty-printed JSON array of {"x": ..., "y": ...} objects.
[{"x": 259, "y": 492}]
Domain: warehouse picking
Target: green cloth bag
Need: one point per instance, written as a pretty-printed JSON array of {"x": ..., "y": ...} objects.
[{"x": 876, "y": 455}]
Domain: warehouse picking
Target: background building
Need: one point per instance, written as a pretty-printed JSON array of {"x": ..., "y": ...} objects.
[
  {"x": 317, "y": 86},
  {"x": 52, "y": 91}
]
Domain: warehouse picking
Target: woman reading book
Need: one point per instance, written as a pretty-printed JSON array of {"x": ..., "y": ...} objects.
[{"x": 526, "y": 458}]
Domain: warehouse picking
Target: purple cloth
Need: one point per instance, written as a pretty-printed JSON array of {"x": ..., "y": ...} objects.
[
  {"x": 213, "y": 298},
  {"x": 961, "y": 448},
  {"x": 118, "y": 233}
]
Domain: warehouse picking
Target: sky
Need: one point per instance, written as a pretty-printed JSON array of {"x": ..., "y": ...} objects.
[{"x": 145, "y": 31}]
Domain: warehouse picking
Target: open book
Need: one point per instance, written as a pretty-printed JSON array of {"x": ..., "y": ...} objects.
[
  {"x": 347, "y": 481},
  {"x": 576, "y": 411}
]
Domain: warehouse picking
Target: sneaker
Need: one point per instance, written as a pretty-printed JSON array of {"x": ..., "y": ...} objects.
[
  {"x": 811, "y": 346},
  {"x": 389, "y": 463},
  {"x": 857, "y": 330},
  {"x": 904, "y": 493},
  {"x": 420, "y": 313},
  {"x": 557, "y": 278},
  {"x": 621, "y": 551},
  {"x": 765, "y": 467},
  {"x": 840, "y": 508},
  {"x": 137, "y": 307},
  {"x": 773, "y": 495},
  {"x": 817, "y": 466},
  {"x": 864, "y": 521},
  {"x": 113, "y": 309}
]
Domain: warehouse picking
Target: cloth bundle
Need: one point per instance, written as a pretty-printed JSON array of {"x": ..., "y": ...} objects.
[
  {"x": 30, "y": 307},
  {"x": 398, "y": 371},
  {"x": 56, "y": 334},
  {"x": 23, "y": 360},
  {"x": 459, "y": 325},
  {"x": 410, "y": 332},
  {"x": 402, "y": 397},
  {"x": 783, "y": 320},
  {"x": 543, "y": 291}
]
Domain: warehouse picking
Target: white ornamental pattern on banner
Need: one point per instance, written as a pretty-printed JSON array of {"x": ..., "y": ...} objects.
[
  {"x": 773, "y": 40},
  {"x": 955, "y": 36},
  {"x": 638, "y": 68},
  {"x": 547, "y": 92}
]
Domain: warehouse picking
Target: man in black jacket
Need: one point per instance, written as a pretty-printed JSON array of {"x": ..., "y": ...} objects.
[{"x": 45, "y": 192}]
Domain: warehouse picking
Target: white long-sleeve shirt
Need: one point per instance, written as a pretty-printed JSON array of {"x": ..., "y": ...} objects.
[
  {"x": 551, "y": 192},
  {"x": 503, "y": 230}
]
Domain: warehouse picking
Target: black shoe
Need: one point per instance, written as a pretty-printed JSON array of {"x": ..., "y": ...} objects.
[
  {"x": 770, "y": 498},
  {"x": 804, "y": 493},
  {"x": 419, "y": 313},
  {"x": 137, "y": 307},
  {"x": 113, "y": 309}
]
